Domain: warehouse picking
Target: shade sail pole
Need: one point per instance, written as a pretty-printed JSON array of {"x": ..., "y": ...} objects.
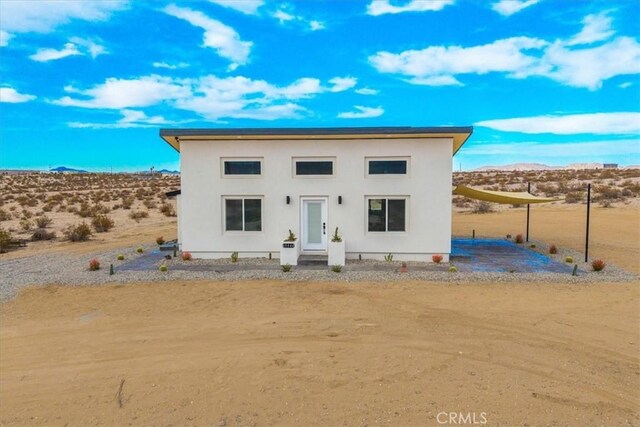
[
  {"x": 586, "y": 242},
  {"x": 528, "y": 207}
]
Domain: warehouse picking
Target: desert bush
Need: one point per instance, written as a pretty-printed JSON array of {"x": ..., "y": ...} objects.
[
  {"x": 43, "y": 221},
  {"x": 26, "y": 225},
  {"x": 286, "y": 268},
  {"x": 167, "y": 209},
  {"x": 597, "y": 265},
  {"x": 553, "y": 249},
  {"x": 139, "y": 250},
  {"x": 160, "y": 240},
  {"x": 453, "y": 269},
  {"x": 568, "y": 260},
  {"x": 127, "y": 202},
  {"x": 519, "y": 238},
  {"x": 574, "y": 197},
  {"x": 164, "y": 268},
  {"x": 78, "y": 232},
  {"x": 102, "y": 223},
  {"x": 94, "y": 265},
  {"x": 5, "y": 239},
  {"x": 437, "y": 259},
  {"x": 336, "y": 268},
  {"x": 149, "y": 203},
  {"x": 120, "y": 257},
  {"x": 482, "y": 207},
  {"x": 4, "y": 216},
  {"x": 138, "y": 215},
  {"x": 27, "y": 214},
  {"x": 42, "y": 234},
  {"x": 186, "y": 256}
]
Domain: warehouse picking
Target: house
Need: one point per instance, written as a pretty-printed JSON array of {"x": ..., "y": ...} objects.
[{"x": 388, "y": 190}]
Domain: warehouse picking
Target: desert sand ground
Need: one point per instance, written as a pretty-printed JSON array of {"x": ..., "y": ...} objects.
[{"x": 287, "y": 353}]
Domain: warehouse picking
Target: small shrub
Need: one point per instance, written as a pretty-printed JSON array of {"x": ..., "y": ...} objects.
[
  {"x": 138, "y": 215},
  {"x": 5, "y": 239},
  {"x": 336, "y": 238},
  {"x": 43, "y": 221},
  {"x": 437, "y": 259},
  {"x": 286, "y": 268},
  {"x": 291, "y": 237},
  {"x": 94, "y": 265},
  {"x": 120, "y": 257},
  {"x": 519, "y": 239},
  {"x": 597, "y": 265},
  {"x": 482, "y": 207},
  {"x": 167, "y": 209},
  {"x": 42, "y": 234},
  {"x": 568, "y": 260},
  {"x": 139, "y": 250},
  {"x": 336, "y": 268},
  {"x": 102, "y": 223},
  {"x": 4, "y": 216},
  {"x": 388, "y": 257},
  {"x": 453, "y": 269},
  {"x": 164, "y": 268},
  {"x": 78, "y": 233},
  {"x": 553, "y": 249},
  {"x": 186, "y": 256},
  {"x": 127, "y": 202},
  {"x": 234, "y": 257},
  {"x": 532, "y": 246},
  {"x": 26, "y": 225},
  {"x": 160, "y": 240}
]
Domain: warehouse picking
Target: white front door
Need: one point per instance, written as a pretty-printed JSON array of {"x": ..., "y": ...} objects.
[{"x": 314, "y": 224}]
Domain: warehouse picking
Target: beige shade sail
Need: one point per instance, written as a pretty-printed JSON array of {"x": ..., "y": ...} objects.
[{"x": 505, "y": 197}]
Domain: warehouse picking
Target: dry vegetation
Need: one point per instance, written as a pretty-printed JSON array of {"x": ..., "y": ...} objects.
[
  {"x": 610, "y": 187},
  {"x": 51, "y": 206}
]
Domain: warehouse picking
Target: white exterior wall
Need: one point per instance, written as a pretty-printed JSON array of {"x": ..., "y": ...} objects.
[{"x": 427, "y": 186}]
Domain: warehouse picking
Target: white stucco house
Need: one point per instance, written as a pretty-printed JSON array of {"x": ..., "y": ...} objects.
[{"x": 388, "y": 190}]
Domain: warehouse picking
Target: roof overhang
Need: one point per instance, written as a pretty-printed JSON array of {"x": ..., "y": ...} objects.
[{"x": 459, "y": 135}]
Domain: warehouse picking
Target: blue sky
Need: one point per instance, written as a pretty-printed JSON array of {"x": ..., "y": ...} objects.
[{"x": 89, "y": 83}]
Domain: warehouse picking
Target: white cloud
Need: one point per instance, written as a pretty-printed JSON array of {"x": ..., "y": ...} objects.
[
  {"x": 341, "y": 84},
  {"x": 170, "y": 66},
  {"x": 18, "y": 16},
  {"x": 509, "y": 7},
  {"x": 619, "y": 123},
  {"x": 597, "y": 27},
  {"x": 91, "y": 47},
  {"x": 12, "y": 96},
  {"x": 45, "y": 55},
  {"x": 130, "y": 119},
  {"x": 316, "y": 25},
  {"x": 522, "y": 57},
  {"x": 283, "y": 16},
  {"x": 625, "y": 85},
  {"x": 122, "y": 93},
  {"x": 436, "y": 65},
  {"x": 362, "y": 112},
  {"x": 4, "y": 38},
  {"x": 224, "y": 39},
  {"x": 249, "y": 7},
  {"x": 382, "y": 7},
  {"x": 366, "y": 91}
]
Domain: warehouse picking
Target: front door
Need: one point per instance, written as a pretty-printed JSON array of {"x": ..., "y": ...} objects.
[{"x": 314, "y": 224}]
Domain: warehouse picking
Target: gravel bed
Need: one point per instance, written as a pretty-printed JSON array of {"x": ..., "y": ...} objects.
[{"x": 69, "y": 269}]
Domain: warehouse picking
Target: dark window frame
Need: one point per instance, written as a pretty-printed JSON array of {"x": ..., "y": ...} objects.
[
  {"x": 385, "y": 215},
  {"x": 381, "y": 172},
  {"x": 329, "y": 160},
  {"x": 226, "y": 174},
  {"x": 243, "y": 210}
]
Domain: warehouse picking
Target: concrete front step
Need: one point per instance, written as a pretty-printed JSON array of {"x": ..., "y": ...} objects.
[{"x": 313, "y": 260}]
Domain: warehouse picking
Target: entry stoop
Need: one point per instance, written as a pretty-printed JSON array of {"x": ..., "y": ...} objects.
[{"x": 313, "y": 260}]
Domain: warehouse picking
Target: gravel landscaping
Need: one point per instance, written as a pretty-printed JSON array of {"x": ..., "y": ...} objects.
[{"x": 45, "y": 269}]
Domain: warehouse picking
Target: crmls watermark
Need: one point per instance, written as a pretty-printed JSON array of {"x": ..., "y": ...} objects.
[{"x": 461, "y": 418}]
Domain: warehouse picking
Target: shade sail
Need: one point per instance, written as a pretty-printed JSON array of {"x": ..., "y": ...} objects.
[{"x": 506, "y": 197}]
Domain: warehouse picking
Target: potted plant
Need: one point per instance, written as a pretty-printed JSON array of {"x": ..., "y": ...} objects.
[
  {"x": 289, "y": 251},
  {"x": 335, "y": 249}
]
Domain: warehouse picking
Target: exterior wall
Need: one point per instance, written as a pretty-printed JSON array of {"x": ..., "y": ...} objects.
[{"x": 427, "y": 185}]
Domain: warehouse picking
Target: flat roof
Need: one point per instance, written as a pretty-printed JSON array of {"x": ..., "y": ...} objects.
[{"x": 459, "y": 134}]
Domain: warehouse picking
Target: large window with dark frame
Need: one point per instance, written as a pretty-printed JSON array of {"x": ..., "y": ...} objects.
[
  {"x": 243, "y": 214},
  {"x": 313, "y": 167},
  {"x": 387, "y": 167},
  {"x": 387, "y": 214},
  {"x": 242, "y": 167}
]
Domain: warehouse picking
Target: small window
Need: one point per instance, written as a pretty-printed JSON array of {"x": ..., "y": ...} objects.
[
  {"x": 243, "y": 214},
  {"x": 387, "y": 214},
  {"x": 387, "y": 167},
  {"x": 313, "y": 167},
  {"x": 242, "y": 167}
]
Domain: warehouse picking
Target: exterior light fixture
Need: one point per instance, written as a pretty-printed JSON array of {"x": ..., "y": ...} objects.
[
  {"x": 339, "y": 200},
  {"x": 288, "y": 200}
]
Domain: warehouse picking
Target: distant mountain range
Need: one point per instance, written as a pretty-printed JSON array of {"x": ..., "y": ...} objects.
[
  {"x": 66, "y": 169},
  {"x": 543, "y": 167}
]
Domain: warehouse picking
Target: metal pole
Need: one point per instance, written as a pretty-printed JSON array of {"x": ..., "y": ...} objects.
[
  {"x": 528, "y": 191},
  {"x": 586, "y": 243}
]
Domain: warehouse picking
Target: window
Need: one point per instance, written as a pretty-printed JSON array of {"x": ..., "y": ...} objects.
[
  {"x": 387, "y": 166},
  {"x": 313, "y": 167},
  {"x": 243, "y": 214},
  {"x": 241, "y": 167},
  {"x": 387, "y": 214}
]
